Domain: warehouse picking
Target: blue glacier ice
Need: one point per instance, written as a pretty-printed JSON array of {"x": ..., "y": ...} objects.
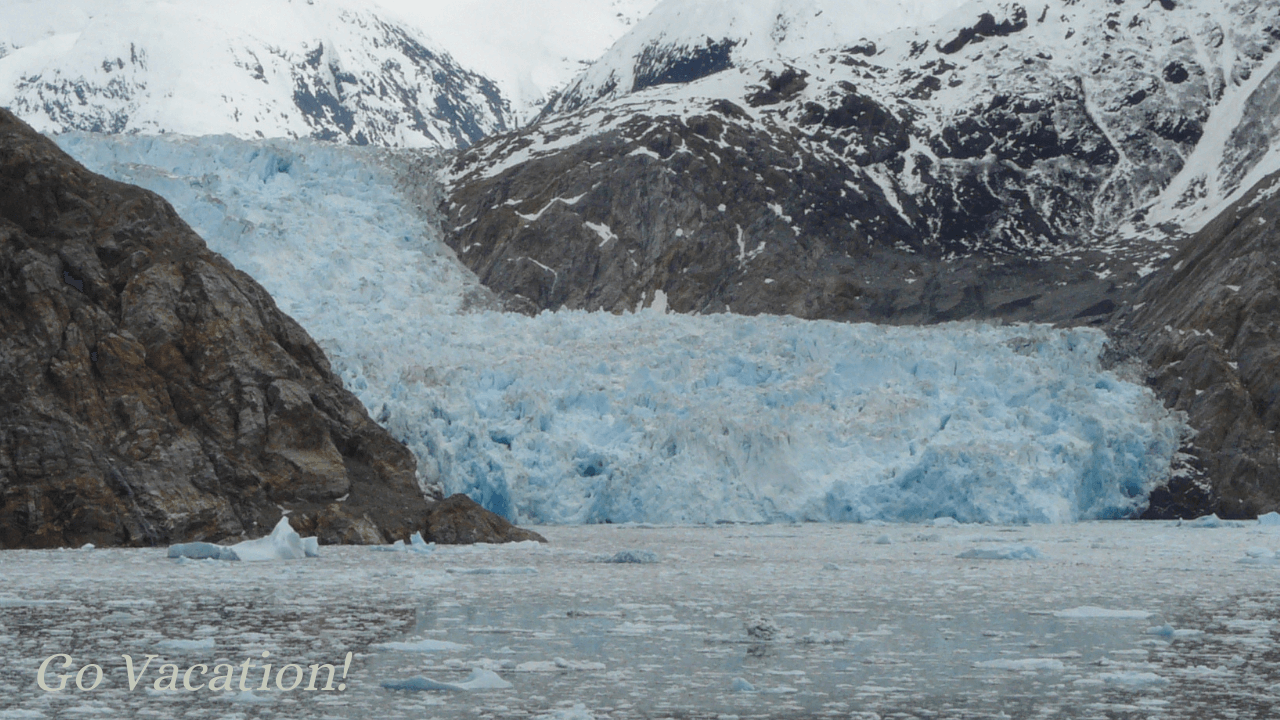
[{"x": 578, "y": 417}]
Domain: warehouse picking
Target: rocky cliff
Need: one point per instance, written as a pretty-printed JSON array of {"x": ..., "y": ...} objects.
[
  {"x": 1208, "y": 325},
  {"x": 150, "y": 392}
]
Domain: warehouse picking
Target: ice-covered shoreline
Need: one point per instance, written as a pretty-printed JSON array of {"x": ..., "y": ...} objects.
[{"x": 577, "y": 417}]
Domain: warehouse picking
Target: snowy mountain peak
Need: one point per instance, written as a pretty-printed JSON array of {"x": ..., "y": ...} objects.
[
  {"x": 252, "y": 69},
  {"x": 684, "y": 40}
]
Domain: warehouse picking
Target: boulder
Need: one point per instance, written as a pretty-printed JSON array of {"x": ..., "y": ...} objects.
[{"x": 459, "y": 520}]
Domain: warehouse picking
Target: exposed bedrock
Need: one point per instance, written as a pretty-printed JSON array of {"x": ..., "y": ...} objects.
[{"x": 152, "y": 393}]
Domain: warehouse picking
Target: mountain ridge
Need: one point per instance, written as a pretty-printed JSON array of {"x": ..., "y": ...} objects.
[{"x": 318, "y": 69}]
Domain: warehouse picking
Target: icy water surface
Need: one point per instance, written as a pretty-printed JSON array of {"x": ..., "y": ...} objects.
[{"x": 1112, "y": 620}]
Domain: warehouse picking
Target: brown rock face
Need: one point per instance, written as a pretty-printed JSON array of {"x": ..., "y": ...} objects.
[
  {"x": 459, "y": 520},
  {"x": 152, "y": 393},
  {"x": 1208, "y": 324}
]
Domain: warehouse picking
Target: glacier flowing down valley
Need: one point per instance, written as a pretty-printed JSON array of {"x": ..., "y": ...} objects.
[{"x": 577, "y": 417}]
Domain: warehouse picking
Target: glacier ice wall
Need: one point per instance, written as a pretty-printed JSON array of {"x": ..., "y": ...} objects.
[{"x": 575, "y": 417}]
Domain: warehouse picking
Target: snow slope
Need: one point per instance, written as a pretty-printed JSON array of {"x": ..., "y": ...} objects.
[
  {"x": 576, "y": 417},
  {"x": 273, "y": 68},
  {"x": 530, "y": 50},
  {"x": 680, "y": 38}
]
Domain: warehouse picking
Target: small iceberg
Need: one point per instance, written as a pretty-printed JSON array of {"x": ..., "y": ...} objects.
[
  {"x": 416, "y": 545},
  {"x": 624, "y": 557},
  {"x": 479, "y": 679},
  {"x": 1271, "y": 519},
  {"x": 1170, "y": 631},
  {"x": 1259, "y": 556},
  {"x": 1005, "y": 552},
  {"x": 202, "y": 551},
  {"x": 283, "y": 543}
]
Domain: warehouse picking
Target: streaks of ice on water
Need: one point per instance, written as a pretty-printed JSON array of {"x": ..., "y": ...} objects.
[
  {"x": 479, "y": 679},
  {"x": 1006, "y": 552},
  {"x": 1085, "y": 612}
]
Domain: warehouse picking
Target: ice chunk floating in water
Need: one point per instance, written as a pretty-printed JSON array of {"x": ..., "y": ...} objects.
[
  {"x": 576, "y": 417},
  {"x": 479, "y": 679},
  {"x": 282, "y": 544}
]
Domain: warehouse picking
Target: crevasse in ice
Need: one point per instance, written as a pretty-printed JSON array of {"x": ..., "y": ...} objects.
[{"x": 577, "y": 417}]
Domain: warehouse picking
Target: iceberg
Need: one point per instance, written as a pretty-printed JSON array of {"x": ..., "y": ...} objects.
[
  {"x": 202, "y": 551},
  {"x": 479, "y": 679},
  {"x": 639, "y": 557},
  {"x": 282, "y": 544},
  {"x": 585, "y": 417}
]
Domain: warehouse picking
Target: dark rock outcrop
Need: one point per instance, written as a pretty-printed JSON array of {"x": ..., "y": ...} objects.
[
  {"x": 721, "y": 214},
  {"x": 152, "y": 393},
  {"x": 459, "y": 520},
  {"x": 1208, "y": 325}
]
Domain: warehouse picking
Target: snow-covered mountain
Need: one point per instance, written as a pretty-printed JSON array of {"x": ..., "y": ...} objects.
[
  {"x": 685, "y": 40},
  {"x": 270, "y": 68},
  {"x": 531, "y": 50},
  {"x": 1014, "y": 160}
]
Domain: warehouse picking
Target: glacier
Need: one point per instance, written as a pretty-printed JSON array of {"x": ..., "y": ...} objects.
[{"x": 650, "y": 417}]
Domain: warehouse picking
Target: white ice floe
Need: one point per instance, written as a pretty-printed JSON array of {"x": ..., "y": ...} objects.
[
  {"x": 180, "y": 645},
  {"x": 246, "y": 697},
  {"x": 493, "y": 571},
  {"x": 416, "y": 545},
  {"x": 1086, "y": 612},
  {"x": 625, "y": 557},
  {"x": 741, "y": 685},
  {"x": 558, "y": 665},
  {"x": 283, "y": 543},
  {"x": 1259, "y": 556},
  {"x": 1004, "y": 552},
  {"x": 202, "y": 551},
  {"x": 479, "y": 679},
  {"x": 1169, "y": 631},
  {"x": 577, "y": 712},
  {"x": 818, "y": 637},
  {"x": 1207, "y": 521},
  {"x": 424, "y": 645},
  {"x": 1132, "y": 678},
  {"x": 1036, "y": 664}
]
